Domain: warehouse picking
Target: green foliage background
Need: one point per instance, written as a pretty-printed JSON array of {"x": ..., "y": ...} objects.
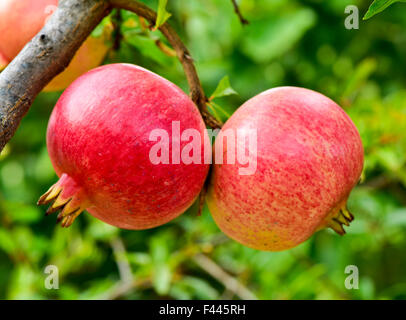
[{"x": 288, "y": 42}]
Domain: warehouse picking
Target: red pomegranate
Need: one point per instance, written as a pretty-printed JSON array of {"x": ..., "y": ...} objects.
[
  {"x": 99, "y": 142},
  {"x": 20, "y": 20},
  {"x": 3, "y": 61},
  {"x": 308, "y": 158}
]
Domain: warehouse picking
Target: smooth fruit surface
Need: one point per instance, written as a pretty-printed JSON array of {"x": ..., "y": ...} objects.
[
  {"x": 99, "y": 143},
  {"x": 3, "y": 61},
  {"x": 309, "y": 157},
  {"x": 21, "y": 20}
]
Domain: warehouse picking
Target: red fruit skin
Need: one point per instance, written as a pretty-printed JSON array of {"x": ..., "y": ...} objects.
[
  {"x": 309, "y": 157},
  {"x": 3, "y": 61},
  {"x": 20, "y": 21},
  {"x": 98, "y": 135}
]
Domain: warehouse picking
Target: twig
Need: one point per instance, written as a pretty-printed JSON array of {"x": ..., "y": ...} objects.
[
  {"x": 189, "y": 253},
  {"x": 127, "y": 282},
  {"x": 123, "y": 265},
  {"x": 238, "y": 12},
  {"x": 117, "y": 35},
  {"x": 165, "y": 49},
  {"x": 229, "y": 282},
  {"x": 227, "y": 295},
  {"x": 196, "y": 90},
  {"x": 122, "y": 289}
]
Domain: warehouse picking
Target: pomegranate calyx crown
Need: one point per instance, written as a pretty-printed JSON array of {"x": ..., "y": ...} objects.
[
  {"x": 67, "y": 197},
  {"x": 343, "y": 217}
]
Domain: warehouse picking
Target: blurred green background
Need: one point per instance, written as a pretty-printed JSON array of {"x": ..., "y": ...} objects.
[{"x": 300, "y": 43}]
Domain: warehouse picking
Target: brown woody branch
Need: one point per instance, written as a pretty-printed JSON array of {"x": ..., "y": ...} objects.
[
  {"x": 117, "y": 35},
  {"x": 51, "y": 50},
  {"x": 238, "y": 12},
  {"x": 229, "y": 282}
]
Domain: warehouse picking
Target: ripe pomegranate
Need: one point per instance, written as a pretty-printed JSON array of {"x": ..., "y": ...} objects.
[
  {"x": 99, "y": 142},
  {"x": 3, "y": 61},
  {"x": 21, "y": 20},
  {"x": 309, "y": 156}
]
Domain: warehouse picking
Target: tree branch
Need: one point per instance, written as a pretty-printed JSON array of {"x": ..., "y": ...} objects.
[
  {"x": 196, "y": 90},
  {"x": 117, "y": 35},
  {"x": 47, "y": 55},
  {"x": 124, "y": 268},
  {"x": 238, "y": 12},
  {"x": 229, "y": 282}
]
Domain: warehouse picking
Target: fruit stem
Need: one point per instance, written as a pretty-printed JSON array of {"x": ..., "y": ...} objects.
[
  {"x": 196, "y": 90},
  {"x": 67, "y": 197}
]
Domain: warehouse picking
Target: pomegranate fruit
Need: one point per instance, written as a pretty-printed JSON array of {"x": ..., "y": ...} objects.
[
  {"x": 99, "y": 142},
  {"x": 21, "y": 20},
  {"x": 308, "y": 157},
  {"x": 3, "y": 61}
]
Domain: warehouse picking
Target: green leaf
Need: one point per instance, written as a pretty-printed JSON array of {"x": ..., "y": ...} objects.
[
  {"x": 216, "y": 107},
  {"x": 223, "y": 89},
  {"x": 214, "y": 111},
  {"x": 139, "y": 258},
  {"x": 359, "y": 76},
  {"x": 270, "y": 38},
  {"x": 148, "y": 49},
  {"x": 200, "y": 288},
  {"x": 101, "y": 231},
  {"x": 378, "y": 6},
  {"x": 162, "y": 278},
  {"x": 19, "y": 212},
  {"x": 163, "y": 15},
  {"x": 7, "y": 242}
]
